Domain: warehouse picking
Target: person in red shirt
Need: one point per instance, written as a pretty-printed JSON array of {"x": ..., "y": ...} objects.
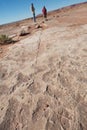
[{"x": 44, "y": 11}]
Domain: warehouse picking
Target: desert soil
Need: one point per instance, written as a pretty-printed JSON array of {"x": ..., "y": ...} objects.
[{"x": 43, "y": 75}]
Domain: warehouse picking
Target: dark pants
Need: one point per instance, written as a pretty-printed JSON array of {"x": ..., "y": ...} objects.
[
  {"x": 34, "y": 18},
  {"x": 45, "y": 15}
]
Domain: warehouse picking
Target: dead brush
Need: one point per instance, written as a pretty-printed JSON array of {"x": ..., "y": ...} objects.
[{"x": 4, "y": 39}]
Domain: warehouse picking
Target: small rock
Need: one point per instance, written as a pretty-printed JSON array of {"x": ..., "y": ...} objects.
[{"x": 38, "y": 26}]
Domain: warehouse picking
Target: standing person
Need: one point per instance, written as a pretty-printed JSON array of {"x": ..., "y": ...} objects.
[
  {"x": 44, "y": 11},
  {"x": 33, "y": 11}
]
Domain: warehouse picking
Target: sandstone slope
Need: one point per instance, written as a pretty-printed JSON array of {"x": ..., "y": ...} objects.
[{"x": 43, "y": 77}]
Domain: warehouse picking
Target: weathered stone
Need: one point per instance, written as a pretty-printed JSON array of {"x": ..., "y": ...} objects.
[{"x": 43, "y": 77}]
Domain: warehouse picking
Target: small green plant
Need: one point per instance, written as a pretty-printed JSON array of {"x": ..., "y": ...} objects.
[{"x": 4, "y": 39}]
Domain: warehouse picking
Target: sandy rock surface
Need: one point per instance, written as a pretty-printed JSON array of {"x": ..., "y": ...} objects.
[{"x": 43, "y": 77}]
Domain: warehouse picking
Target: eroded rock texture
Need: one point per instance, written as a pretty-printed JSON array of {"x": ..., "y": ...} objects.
[{"x": 43, "y": 77}]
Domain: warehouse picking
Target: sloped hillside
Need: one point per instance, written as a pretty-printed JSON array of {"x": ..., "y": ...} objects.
[{"x": 43, "y": 75}]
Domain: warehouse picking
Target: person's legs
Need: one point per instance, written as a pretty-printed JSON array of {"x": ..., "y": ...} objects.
[
  {"x": 34, "y": 18},
  {"x": 45, "y": 16}
]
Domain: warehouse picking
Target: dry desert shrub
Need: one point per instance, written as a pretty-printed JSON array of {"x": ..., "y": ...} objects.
[{"x": 4, "y": 39}]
